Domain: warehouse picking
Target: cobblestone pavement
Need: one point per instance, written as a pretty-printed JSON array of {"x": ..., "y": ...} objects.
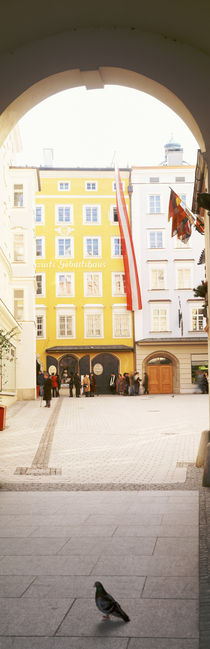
[{"x": 108, "y": 440}]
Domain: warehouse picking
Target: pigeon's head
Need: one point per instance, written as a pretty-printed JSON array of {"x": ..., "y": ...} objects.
[{"x": 98, "y": 585}]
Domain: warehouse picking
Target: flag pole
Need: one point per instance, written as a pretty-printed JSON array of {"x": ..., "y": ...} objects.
[{"x": 130, "y": 191}]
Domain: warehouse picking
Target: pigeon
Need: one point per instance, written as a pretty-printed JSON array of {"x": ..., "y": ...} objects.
[{"x": 107, "y": 604}]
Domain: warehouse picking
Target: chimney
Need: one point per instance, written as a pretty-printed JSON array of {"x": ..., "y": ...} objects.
[{"x": 48, "y": 157}]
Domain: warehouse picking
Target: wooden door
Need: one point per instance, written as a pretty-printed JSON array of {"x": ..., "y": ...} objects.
[{"x": 160, "y": 379}]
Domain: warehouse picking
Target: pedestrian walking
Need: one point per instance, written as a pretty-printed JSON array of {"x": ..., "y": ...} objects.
[
  {"x": 54, "y": 384},
  {"x": 71, "y": 384},
  {"x": 146, "y": 383},
  {"x": 59, "y": 385},
  {"x": 112, "y": 383},
  {"x": 47, "y": 389},
  {"x": 126, "y": 384},
  {"x": 40, "y": 383},
  {"x": 92, "y": 384},
  {"x": 86, "y": 385},
  {"x": 136, "y": 380},
  {"x": 77, "y": 383}
]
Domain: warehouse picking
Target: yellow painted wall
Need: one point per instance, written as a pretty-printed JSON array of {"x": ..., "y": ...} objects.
[{"x": 105, "y": 197}]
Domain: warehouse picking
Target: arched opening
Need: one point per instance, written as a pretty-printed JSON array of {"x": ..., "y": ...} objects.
[
  {"x": 67, "y": 365},
  {"x": 102, "y": 366}
]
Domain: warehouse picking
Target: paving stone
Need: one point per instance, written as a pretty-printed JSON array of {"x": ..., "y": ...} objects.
[
  {"x": 51, "y": 587},
  {"x": 31, "y": 546},
  {"x": 148, "y": 618},
  {"x": 64, "y": 643},
  {"x": 143, "y": 517},
  {"x": 176, "y": 547},
  {"x": 11, "y": 586},
  {"x": 14, "y": 530},
  {"x": 171, "y": 587},
  {"x": 156, "y": 643},
  {"x": 32, "y": 617},
  {"x": 157, "y": 530},
  {"x": 32, "y": 565},
  {"x": 115, "y": 545},
  {"x": 75, "y": 530},
  {"x": 179, "y": 518},
  {"x": 153, "y": 566}
]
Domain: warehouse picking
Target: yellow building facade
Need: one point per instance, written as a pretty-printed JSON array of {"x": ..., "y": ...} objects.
[{"x": 82, "y": 319}]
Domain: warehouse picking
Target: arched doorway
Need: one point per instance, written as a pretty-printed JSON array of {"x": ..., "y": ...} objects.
[
  {"x": 102, "y": 366},
  {"x": 68, "y": 364},
  {"x": 160, "y": 375}
]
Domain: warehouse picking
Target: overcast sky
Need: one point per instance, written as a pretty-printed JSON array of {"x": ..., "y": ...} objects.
[{"x": 86, "y": 127}]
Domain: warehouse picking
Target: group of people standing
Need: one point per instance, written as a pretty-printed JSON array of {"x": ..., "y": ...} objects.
[
  {"x": 128, "y": 384},
  {"x": 48, "y": 386}
]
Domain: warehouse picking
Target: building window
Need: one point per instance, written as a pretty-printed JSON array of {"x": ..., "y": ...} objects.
[
  {"x": 19, "y": 304},
  {"x": 116, "y": 247},
  {"x": 64, "y": 284},
  {"x": 197, "y": 319},
  {"x": 91, "y": 186},
  {"x": 183, "y": 197},
  {"x": 65, "y": 326},
  {"x": 159, "y": 319},
  {"x": 63, "y": 214},
  {"x": 64, "y": 247},
  {"x": 157, "y": 278},
  {"x": 118, "y": 284},
  {"x": 113, "y": 214},
  {"x": 154, "y": 204},
  {"x": 40, "y": 285},
  {"x": 93, "y": 284},
  {"x": 184, "y": 278},
  {"x": 92, "y": 247},
  {"x": 121, "y": 324},
  {"x": 180, "y": 179},
  {"x": 114, "y": 186},
  {"x": 93, "y": 324},
  {"x": 154, "y": 179},
  {"x": 40, "y": 326},
  {"x": 39, "y": 211},
  {"x": 155, "y": 239},
  {"x": 180, "y": 244},
  {"x": 18, "y": 195},
  {"x": 91, "y": 215},
  {"x": 64, "y": 186},
  {"x": 40, "y": 247},
  {"x": 19, "y": 247}
]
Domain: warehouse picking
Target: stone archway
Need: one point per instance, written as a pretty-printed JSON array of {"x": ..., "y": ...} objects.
[
  {"x": 67, "y": 364},
  {"x": 162, "y": 368},
  {"x": 102, "y": 366}
]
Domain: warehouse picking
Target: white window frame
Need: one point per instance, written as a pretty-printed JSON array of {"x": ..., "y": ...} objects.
[
  {"x": 184, "y": 266},
  {"x": 180, "y": 245},
  {"x": 157, "y": 267},
  {"x": 121, "y": 311},
  {"x": 86, "y": 275},
  {"x": 43, "y": 293},
  {"x": 112, "y": 248},
  {"x": 65, "y": 310},
  {"x": 86, "y": 256},
  {"x": 155, "y": 211},
  {"x": 17, "y": 192},
  {"x": 93, "y": 311},
  {"x": 57, "y": 256},
  {"x": 64, "y": 189},
  {"x": 122, "y": 284},
  {"x": 64, "y": 222},
  {"x": 114, "y": 185},
  {"x": 160, "y": 307},
  {"x": 42, "y": 207},
  {"x": 22, "y": 260},
  {"x": 72, "y": 294},
  {"x": 196, "y": 306},
  {"x": 41, "y": 313},
  {"x": 155, "y": 231},
  {"x": 16, "y": 305},
  {"x": 91, "y": 189},
  {"x": 91, "y": 207},
  {"x": 42, "y": 256}
]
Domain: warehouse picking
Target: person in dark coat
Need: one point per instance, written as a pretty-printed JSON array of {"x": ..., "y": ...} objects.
[
  {"x": 137, "y": 380},
  {"x": 47, "y": 389},
  {"x": 40, "y": 382},
  {"x": 77, "y": 383},
  {"x": 92, "y": 384},
  {"x": 71, "y": 384},
  {"x": 146, "y": 383}
]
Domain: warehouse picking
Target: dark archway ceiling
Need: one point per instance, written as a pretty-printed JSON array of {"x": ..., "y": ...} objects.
[{"x": 24, "y": 21}]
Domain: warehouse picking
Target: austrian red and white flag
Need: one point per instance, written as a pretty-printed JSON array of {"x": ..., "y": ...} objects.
[{"x": 132, "y": 285}]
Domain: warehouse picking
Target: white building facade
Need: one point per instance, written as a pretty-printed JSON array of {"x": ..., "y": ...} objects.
[
  {"x": 171, "y": 341},
  {"x": 17, "y": 274}
]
